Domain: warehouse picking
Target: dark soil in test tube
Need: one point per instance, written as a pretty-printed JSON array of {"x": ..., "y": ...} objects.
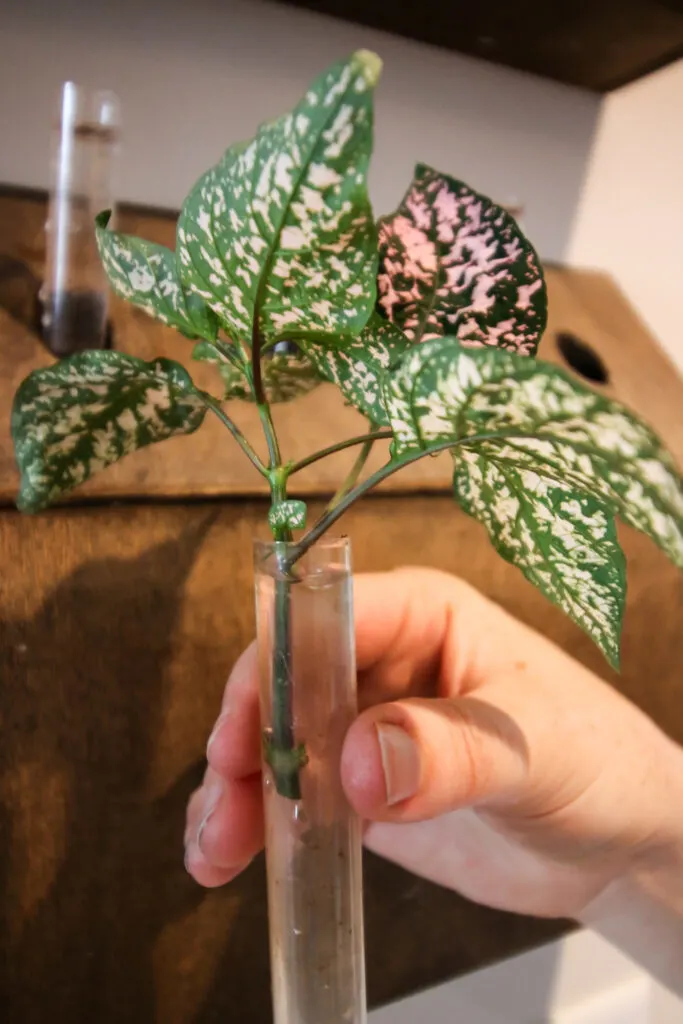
[{"x": 75, "y": 322}]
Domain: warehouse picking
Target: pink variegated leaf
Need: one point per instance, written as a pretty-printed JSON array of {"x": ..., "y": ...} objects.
[{"x": 453, "y": 263}]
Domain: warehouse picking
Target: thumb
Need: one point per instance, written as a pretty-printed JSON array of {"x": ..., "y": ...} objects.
[{"x": 419, "y": 758}]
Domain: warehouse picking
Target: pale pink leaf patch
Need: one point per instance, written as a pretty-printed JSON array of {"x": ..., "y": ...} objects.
[{"x": 452, "y": 262}]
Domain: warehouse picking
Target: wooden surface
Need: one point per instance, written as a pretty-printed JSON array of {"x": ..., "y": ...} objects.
[
  {"x": 209, "y": 462},
  {"x": 599, "y": 45},
  {"x": 117, "y": 630}
]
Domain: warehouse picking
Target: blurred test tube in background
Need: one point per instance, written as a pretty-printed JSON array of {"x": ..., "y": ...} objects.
[{"x": 74, "y": 295}]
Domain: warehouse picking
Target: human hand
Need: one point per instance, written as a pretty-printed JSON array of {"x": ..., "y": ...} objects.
[{"x": 483, "y": 758}]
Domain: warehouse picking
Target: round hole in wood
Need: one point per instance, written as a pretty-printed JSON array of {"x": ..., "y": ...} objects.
[{"x": 582, "y": 358}]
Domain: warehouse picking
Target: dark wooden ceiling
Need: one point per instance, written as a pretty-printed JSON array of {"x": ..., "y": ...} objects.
[{"x": 597, "y": 44}]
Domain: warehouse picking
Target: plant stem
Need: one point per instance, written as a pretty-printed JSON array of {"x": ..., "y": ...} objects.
[
  {"x": 284, "y": 758},
  {"x": 271, "y": 437},
  {"x": 353, "y": 474},
  {"x": 215, "y": 406},
  {"x": 281, "y": 754},
  {"x": 256, "y": 378},
  {"x": 259, "y": 391},
  {"x": 377, "y": 435},
  {"x": 331, "y": 515}
]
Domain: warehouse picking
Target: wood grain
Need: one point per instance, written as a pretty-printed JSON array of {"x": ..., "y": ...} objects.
[
  {"x": 118, "y": 629},
  {"x": 209, "y": 463}
]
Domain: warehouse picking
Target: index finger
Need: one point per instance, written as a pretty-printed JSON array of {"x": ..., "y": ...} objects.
[{"x": 418, "y": 632}]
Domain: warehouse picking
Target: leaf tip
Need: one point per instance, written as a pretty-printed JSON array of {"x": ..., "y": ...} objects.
[
  {"x": 371, "y": 65},
  {"x": 102, "y": 219},
  {"x": 613, "y": 656},
  {"x": 423, "y": 170}
]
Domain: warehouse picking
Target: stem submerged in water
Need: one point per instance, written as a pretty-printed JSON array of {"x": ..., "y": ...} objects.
[
  {"x": 284, "y": 757},
  {"x": 354, "y": 474},
  {"x": 313, "y": 838}
]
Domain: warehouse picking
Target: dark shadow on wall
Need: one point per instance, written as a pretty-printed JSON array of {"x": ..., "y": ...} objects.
[
  {"x": 91, "y": 875},
  {"x": 19, "y": 288}
]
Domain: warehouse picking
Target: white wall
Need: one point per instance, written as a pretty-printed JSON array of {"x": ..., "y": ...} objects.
[
  {"x": 602, "y": 183},
  {"x": 580, "y": 979},
  {"x": 195, "y": 76},
  {"x": 630, "y": 217}
]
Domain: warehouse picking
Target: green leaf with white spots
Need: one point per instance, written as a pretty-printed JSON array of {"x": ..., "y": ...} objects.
[
  {"x": 453, "y": 263},
  {"x": 357, "y": 366},
  {"x": 533, "y": 416},
  {"x": 289, "y": 515},
  {"x": 285, "y": 375},
  {"x": 145, "y": 274},
  {"x": 281, "y": 228},
  {"x": 565, "y": 543},
  {"x": 75, "y": 418}
]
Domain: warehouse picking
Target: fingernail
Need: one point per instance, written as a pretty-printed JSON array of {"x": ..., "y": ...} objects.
[
  {"x": 213, "y": 795},
  {"x": 216, "y": 729},
  {"x": 400, "y": 762}
]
